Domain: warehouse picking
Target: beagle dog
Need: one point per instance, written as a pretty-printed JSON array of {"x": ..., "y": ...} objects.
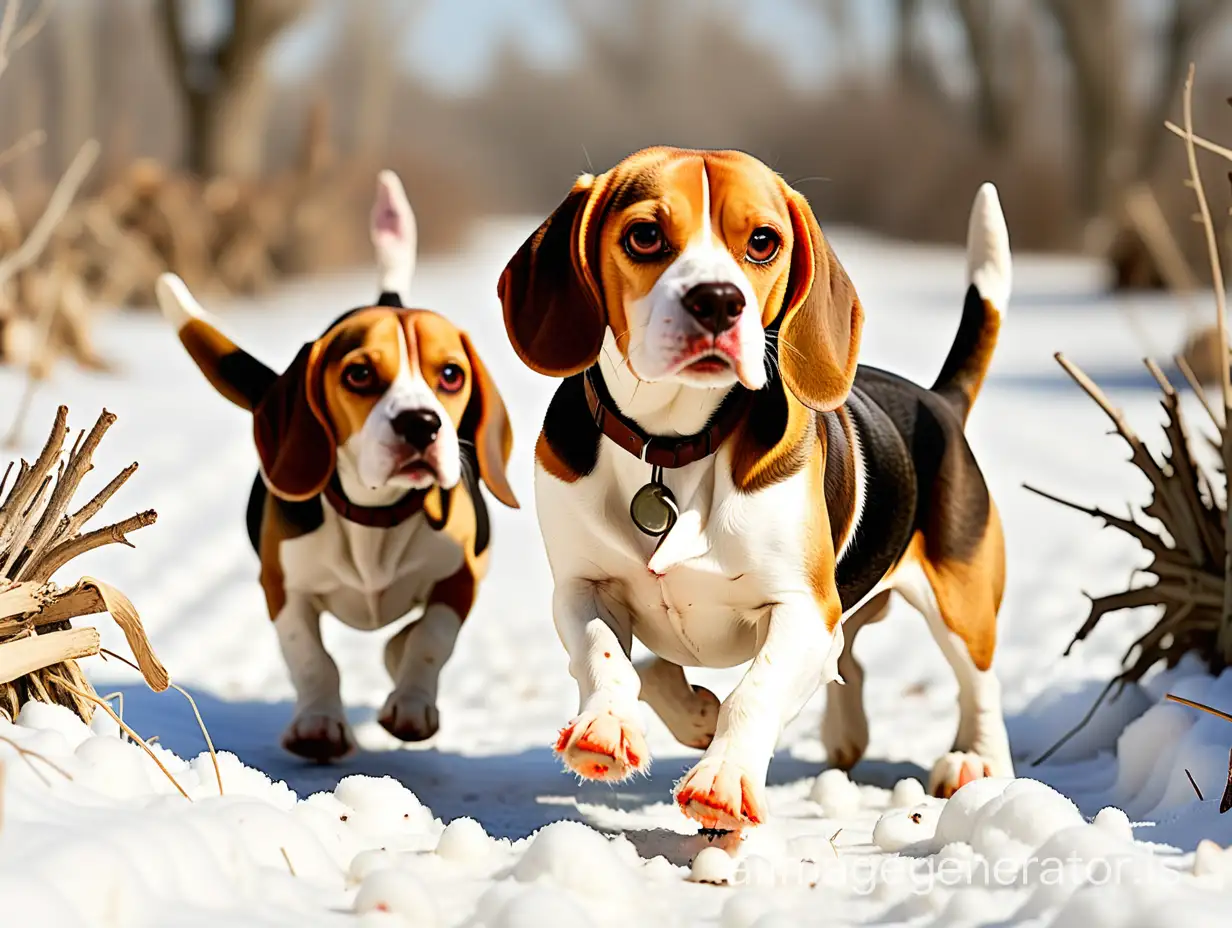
[
  {"x": 372, "y": 445},
  {"x": 718, "y": 478}
]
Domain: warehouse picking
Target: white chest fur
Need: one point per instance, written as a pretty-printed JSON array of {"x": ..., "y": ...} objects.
[
  {"x": 703, "y": 597},
  {"x": 369, "y": 577}
]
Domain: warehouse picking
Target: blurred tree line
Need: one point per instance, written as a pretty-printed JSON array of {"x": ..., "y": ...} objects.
[{"x": 1061, "y": 102}]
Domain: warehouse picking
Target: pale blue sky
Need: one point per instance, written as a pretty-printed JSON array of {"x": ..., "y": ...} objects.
[{"x": 452, "y": 41}]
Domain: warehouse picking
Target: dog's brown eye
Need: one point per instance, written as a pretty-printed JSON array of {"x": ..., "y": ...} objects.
[
  {"x": 763, "y": 245},
  {"x": 645, "y": 240},
  {"x": 452, "y": 377},
  {"x": 359, "y": 376}
]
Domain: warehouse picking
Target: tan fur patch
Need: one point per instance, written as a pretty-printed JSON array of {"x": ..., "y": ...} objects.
[
  {"x": 552, "y": 463},
  {"x": 968, "y": 592}
]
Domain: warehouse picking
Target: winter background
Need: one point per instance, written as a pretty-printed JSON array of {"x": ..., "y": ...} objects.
[{"x": 480, "y": 827}]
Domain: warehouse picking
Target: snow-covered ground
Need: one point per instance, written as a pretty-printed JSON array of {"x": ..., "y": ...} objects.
[{"x": 481, "y": 827}]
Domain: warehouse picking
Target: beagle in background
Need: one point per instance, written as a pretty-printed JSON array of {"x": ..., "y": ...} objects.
[
  {"x": 718, "y": 478},
  {"x": 372, "y": 445}
]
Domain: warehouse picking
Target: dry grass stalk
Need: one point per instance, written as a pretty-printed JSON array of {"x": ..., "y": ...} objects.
[
  {"x": 1225, "y": 803},
  {"x": 209, "y": 742},
  {"x": 40, "y": 532},
  {"x": 89, "y": 694}
]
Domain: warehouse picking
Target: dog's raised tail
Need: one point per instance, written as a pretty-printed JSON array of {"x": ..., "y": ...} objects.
[
  {"x": 989, "y": 274},
  {"x": 231, "y": 370}
]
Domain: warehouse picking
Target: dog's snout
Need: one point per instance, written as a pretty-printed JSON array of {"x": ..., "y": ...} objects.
[
  {"x": 417, "y": 427},
  {"x": 716, "y": 306}
]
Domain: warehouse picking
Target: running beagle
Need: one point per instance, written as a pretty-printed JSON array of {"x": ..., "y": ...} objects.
[
  {"x": 371, "y": 445},
  {"x": 718, "y": 478}
]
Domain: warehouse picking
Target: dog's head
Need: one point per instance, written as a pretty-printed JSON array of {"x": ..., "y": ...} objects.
[
  {"x": 692, "y": 260},
  {"x": 399, "y": 393},
  {"x": 396, "y": 391}
]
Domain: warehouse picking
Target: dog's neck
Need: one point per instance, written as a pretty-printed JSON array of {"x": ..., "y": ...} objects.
[
  {"x": 355, "y": 490},
  {"x": 667, "y": 409}
]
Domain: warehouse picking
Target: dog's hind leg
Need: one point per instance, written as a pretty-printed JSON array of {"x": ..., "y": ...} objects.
[
  {"x": 844, "y": 724},
  {"x": 689, "y": 712},
  {"x": 959, "y": 599}
]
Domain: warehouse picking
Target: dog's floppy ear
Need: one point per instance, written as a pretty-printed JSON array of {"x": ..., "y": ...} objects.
[
  {"x": 295, "y": 444},
  {"x": 395, "y": 236},
  {"x": 486, "y": 423},
  {"x": 550, "y": 290},
  {"x": 819, "y": 336},
  {"x": 230, "y": 369}
]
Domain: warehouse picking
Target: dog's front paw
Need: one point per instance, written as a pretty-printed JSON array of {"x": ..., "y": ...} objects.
[
  {"x": 721, "y": 794},
  {"x": 603, "y": 746},
  {"x": 319, "y": 736},
  {"x": 410, "y": 716},
  {"x": 958, "y": 768}
]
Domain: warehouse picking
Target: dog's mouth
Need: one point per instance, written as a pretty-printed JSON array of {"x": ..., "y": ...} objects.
[
  {"x": 417, "y": 469},
  {"x": 709, "y": 363}
]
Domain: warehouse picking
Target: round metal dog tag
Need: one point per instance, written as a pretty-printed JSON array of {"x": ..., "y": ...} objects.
[{"x": 653, "y": 509}]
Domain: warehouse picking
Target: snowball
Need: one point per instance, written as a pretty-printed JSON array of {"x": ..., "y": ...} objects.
[
  {"x": 365, "y": 863},
  {"x": 399, "y": 893},
  {"x": 836, "y": 794},
  {"x": 1021, "y": 819},
  {"x": 900, "y": 828},
  {"x": 1115, "y": 822},
  {"x": 113, "y": 767},
  {"x": 465, "y": 842},
  {"x": 387, "y": 813},
  {"x": 961, "y": 809},
  {"x": 712, "y": 865},
  {"x": 48, "y": 717},
  {"x": 576, "y": 857},
  {"x": 907, "y": 793}
]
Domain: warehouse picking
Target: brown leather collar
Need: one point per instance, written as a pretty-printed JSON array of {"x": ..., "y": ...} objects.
[
  {"x": 383, "y": 516},
  {"x": 659, "y": 450}
]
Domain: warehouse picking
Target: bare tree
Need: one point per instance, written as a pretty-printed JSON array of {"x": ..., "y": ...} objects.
[
  {"x": 911, "y": 59},
  {"x": 1095, "y": 37},
  {"x": 994, "y": 94},
  {"x": 1119, "y": 144},
  {"x": 223, "y": 83},
  {"x": 73, "y": 33}
]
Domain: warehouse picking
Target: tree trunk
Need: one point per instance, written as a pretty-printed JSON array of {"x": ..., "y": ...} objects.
[
  {"x": 1095, "y": 38},
  {"x": 75, "y": 37},
  {"x": 233, "y": 144},
  {"x": 224, "y": 87},
  {"x": 994, "y": 103}
]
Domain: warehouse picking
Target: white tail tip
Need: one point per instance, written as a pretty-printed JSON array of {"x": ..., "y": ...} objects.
[
  {"x": 176, "y": 301},
  {"x": 395, "y": 236},
  {"x": 989, "y": 266}
]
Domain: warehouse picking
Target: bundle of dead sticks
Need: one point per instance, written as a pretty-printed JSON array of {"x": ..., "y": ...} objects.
[{"x": 40, "y": 534}]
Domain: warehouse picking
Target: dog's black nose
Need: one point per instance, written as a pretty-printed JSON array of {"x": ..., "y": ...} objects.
[
  {"x": 716, "y": 306},
  {"x": 417, "y": 427}
]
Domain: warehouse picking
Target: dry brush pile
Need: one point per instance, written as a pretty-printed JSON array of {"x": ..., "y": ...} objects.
[
  {"x": 40, "y": 533},
  {"x": 1186, "y": 530}
]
